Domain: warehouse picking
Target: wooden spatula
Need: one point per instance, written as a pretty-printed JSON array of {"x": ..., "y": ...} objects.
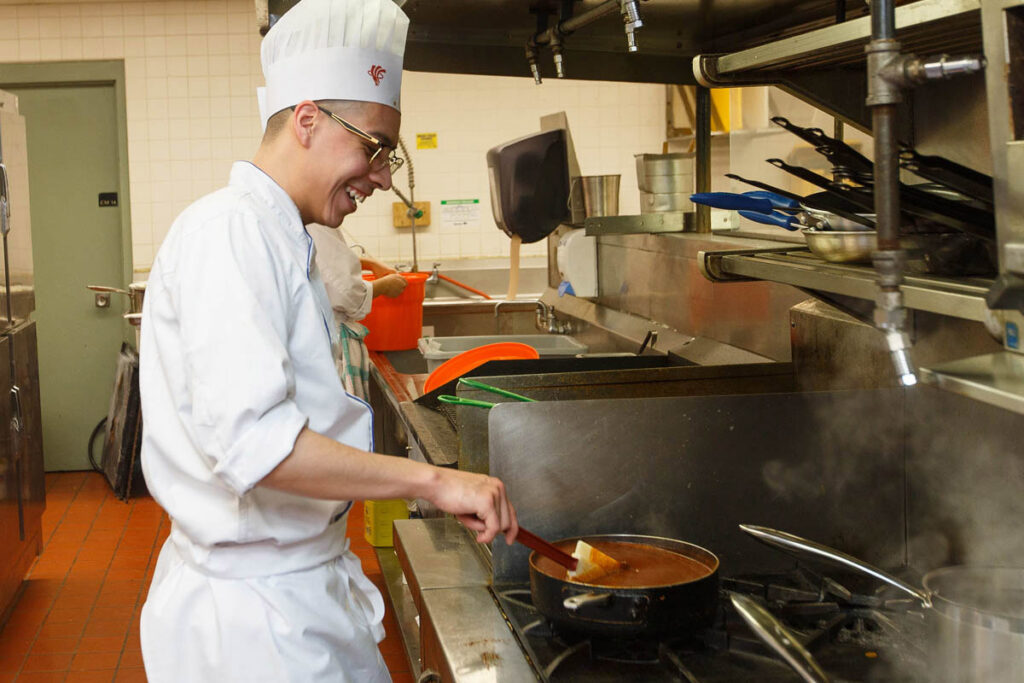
[
  {"x": 585, "y": 565},
  {"x": 535, "y": 542}
]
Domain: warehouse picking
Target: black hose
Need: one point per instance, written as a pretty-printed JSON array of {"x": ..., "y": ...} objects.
[{"x": 97, "y": 430}]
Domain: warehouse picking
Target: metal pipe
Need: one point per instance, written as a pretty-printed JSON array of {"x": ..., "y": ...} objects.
[
  {"x": 412, "y": 212},
  {"x": 531, "y": 59},
  {"x": 702, "y": 136},
  {"x": 837, "y": 123},
  {"x": 883, "y": 97},
  {"x": 632, "y": 20},
  {"x": 569, "y": 25},
  {"x": 556, "y": 52},
  {"x": 883, "y": 20},
  {"x": 908, "y": 70},
  {"x": 887, "y": 177}
]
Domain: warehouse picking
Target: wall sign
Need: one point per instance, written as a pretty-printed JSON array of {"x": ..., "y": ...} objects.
[
  {"x": 108, "y": 199},
  {"x": 460, "y": 213},
  {"x": 426, "y": 140}
]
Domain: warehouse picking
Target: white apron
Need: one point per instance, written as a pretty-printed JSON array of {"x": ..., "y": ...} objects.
[{"x": 309, "y": 626}]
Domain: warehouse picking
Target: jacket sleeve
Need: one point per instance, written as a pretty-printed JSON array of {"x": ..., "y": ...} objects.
[
  {"x": 339, "y": 267},
  {"x": 235, "y": 306}
]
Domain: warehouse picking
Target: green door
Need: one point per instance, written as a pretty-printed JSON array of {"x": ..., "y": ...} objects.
[{"x": 73, "y": 159}]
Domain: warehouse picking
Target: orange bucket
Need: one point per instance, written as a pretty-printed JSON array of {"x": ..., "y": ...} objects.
[{"x": 396, "y": 324}]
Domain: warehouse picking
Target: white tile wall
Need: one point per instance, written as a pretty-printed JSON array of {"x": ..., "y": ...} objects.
[{"x": 192, "y": 68}]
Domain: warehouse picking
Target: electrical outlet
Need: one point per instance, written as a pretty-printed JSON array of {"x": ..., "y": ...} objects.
[{"x": 400, "y": 215}]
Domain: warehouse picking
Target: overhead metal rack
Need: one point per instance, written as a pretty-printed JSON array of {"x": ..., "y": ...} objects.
[
  {"x": 961, "y": 297},
  {"x": 922, "y": 27}
]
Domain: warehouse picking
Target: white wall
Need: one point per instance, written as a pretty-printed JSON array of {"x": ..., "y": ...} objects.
[{"x": 192, "y": 68}]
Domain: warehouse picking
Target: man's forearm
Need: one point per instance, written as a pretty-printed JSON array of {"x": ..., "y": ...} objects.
[{"x": 319, "y": 467}]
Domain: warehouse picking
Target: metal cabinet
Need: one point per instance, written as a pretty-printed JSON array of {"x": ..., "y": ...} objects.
[{"x": 22, "y": 483}]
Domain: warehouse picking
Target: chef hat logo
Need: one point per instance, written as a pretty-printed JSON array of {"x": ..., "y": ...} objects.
[{"x": 320, "y": 50}]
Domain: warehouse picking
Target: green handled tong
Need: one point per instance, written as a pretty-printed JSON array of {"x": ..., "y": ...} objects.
[{"x": 456, "y": 400}]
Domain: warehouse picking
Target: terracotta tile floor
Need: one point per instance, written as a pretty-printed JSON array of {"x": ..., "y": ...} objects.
[{"x": 77, "y": 619}]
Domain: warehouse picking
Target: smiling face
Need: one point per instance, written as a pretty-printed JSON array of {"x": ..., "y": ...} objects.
[{"x": 338, "y": 174}]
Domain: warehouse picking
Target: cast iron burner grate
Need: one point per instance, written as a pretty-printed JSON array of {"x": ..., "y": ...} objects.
[{"x": 856, "y": 632}]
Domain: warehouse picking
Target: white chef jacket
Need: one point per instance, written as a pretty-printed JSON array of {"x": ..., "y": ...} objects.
[
  {"x": 350, "y": 295},
  {"x": 236, "y": 357}
]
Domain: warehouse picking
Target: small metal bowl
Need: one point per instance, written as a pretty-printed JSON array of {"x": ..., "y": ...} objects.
[
  {"x": 842, "y": 246},
  {"x": 855, "y": 246}
]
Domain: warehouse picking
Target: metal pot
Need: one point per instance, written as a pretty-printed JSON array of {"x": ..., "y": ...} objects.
[
  {"x": 977, "y": 629},
  {"x": 626, "y": 612},
  {"x": 978, "y": 633}
]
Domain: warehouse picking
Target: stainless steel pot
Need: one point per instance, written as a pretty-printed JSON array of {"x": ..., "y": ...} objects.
[
  {"x": 977, "y": 629},
  {"x": 978, "y": 634}
]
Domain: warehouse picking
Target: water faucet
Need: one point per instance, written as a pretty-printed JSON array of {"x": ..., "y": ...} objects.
[
  {"x": 434, "y": 277},
  {"x": 546, "y": 320}
]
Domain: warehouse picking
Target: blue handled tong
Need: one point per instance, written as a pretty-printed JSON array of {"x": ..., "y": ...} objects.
[{"x": 760, "y": 206}]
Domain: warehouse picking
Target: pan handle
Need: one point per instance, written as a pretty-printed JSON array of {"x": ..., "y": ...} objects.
[
  {"x": 775, "y": 218},
  {"x": 781, "y": 539},
  {"x": 764, "y": 624},
  {"x": 574, "y": 602}
]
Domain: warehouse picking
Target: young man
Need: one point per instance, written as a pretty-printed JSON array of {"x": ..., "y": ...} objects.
[{"x": 251, "y": 444}]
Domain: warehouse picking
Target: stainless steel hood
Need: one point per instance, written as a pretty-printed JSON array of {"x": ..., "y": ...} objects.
[{"x": 489, "y": 37}]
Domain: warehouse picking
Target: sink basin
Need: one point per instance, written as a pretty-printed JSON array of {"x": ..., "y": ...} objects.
[{"x": 436, "y": 350}]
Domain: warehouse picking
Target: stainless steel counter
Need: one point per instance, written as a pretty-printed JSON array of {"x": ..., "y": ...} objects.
[
  {"x": 429, "y": 436},
  {"x": 436, "y": 577},
  {"x": 460, "y": 634}
]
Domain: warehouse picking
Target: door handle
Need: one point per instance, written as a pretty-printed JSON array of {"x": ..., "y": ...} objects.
[
  {"x": 5, "y": 202},
  {"x": 103, "y": 293}
]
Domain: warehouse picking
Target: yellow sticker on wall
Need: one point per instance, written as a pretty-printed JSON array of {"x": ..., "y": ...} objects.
[{"x": 426, "y": 140}]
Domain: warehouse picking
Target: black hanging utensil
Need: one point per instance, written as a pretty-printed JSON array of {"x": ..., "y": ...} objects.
[
  {"x": 913, "y": 203},
  {"x": 847, "y": 162},
  {"x": 950, "y": 174}
]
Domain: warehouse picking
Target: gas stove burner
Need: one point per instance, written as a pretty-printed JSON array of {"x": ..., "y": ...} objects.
[{"x": 854, "y": 630}]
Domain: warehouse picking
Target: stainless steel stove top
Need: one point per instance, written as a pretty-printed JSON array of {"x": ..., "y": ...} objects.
[
  {"x": 855, "y": 635},
  {"x": 469, "y": 630}
]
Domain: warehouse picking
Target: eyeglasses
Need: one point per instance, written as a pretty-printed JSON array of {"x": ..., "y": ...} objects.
[{"x": 382, "y": 157}]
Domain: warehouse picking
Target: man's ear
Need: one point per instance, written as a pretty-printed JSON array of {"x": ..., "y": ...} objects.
[{"x": 303, "y": 120}]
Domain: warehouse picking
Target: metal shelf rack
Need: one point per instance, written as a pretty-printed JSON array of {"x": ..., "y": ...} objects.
[
  {"x": 922, "y": 27},
  {"x": 959, "y": 297}
]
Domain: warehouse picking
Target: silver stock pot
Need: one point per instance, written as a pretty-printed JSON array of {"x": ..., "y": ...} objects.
[{"x": 977, "y": 625}]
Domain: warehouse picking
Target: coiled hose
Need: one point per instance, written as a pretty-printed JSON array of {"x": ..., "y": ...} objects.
[{"x": 408, "y": 163}]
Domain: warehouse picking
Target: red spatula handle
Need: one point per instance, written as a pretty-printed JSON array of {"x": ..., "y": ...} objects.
[{"x": 534, "y": 542}]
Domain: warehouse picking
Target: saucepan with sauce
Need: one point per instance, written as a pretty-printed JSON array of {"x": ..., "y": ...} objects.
[{"x": 668, "y": 586}]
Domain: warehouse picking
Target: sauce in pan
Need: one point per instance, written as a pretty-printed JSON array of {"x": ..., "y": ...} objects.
[{"x": 647, "y": 565}]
